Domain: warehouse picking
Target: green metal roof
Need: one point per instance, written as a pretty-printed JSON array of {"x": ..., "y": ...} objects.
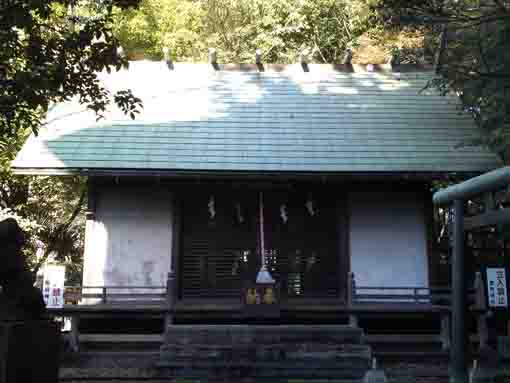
[{"x": 196, "y": 118}]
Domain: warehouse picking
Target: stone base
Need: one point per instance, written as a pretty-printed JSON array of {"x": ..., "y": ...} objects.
[
  {"x": 286, "y": 352},
  {"x": 29, "y": 351},
  {"x": 483, "y": 375}
]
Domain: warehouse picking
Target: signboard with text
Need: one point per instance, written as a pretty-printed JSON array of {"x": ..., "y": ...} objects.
[
  {"x": 497, "y": 287},
  {"x": 53, "y": 286}
]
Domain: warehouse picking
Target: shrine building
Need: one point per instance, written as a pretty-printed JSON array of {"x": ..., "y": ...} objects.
[{"x": 314, "y": 170}]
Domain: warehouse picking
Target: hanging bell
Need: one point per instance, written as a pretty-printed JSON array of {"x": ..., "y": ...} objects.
[{"x": 264, "y": 276}]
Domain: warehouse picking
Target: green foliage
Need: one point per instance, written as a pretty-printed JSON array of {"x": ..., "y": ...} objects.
[
  {"x": 48, "y": 209},
  {"x": 474, "y": 57},
  {"x": 156, "y": 23},
  {"x": 236, "y": 28},
  {"x": 51, "y": 51},
  {"x": 51, "y": 211}
]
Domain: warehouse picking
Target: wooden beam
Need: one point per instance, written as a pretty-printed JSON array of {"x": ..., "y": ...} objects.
[
  {"x": 176, "y": 245},
  {"x": 491, "y": 181},
  {"x": 495, "y": 217},
  {"x": 258, "y": 61},
  {"x": 343, "y": 253},
  {"x": 488, "y": 200},
  {"x": 303, "y": 57},
  {"x": 168, "y": 58},
  {"x": 90, "y": 214},
  {"x": 443, "y": 41},
  {"x": 445, "y": 335},
  {"x": 75, "y": 332},
  {"x": 213, "y": 57},
  {"x": 347, "y": 59},
  {"x": 394, "y": 59},
  {"x": 170, "y": 299},
  {"x": 120, "y": 338},
  {"x": 258, "y": 56}
]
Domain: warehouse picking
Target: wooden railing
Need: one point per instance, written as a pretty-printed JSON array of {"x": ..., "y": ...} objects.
[
  {"x": 401, "y": 294},
  {"x": 117, "y": 294},
  {"x": 434, "y": 295},
  {"x": 381, "y": 297},
  {"x": 361, "y": 300}
]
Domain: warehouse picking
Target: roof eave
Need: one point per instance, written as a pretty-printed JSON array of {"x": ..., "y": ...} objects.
[{"x": 175, "y": 173}]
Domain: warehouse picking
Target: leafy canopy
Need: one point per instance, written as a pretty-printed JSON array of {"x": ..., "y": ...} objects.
[
  {"x": 236, "y": 28},
  {"x": 51, "y": 51},
  {"x": 472, "y": 38}
]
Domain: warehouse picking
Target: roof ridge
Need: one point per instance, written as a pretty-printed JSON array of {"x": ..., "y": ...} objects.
[{"x": 308, "y": 67}]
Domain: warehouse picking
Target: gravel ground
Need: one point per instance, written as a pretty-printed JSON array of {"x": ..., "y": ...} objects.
[{"x": 134, "y": 367}]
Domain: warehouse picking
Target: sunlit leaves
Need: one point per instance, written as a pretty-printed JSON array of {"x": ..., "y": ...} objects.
[
  {"x": 51, "y": 52},
  {"x": 236, "y": 28},
  {"x": 128, "y": 103},
  {"x": 475, "y": 63}
]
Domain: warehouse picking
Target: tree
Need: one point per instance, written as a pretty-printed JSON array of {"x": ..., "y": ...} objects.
[
  {"x": 472, "y": 42},
  {"x": 236, "y": 28},
  {"x": 51, "y": 51},
  {"x": 49, "y": 209}
]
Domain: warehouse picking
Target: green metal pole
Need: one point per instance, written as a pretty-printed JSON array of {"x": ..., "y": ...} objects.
[{"x": 458, "y": 354}]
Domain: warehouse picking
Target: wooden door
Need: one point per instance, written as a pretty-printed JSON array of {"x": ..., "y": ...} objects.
[
  {"x": 302, "y": 244},
  {"x": 218, "y": 242}
]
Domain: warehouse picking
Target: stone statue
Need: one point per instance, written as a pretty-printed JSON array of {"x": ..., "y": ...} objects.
[{"x": 19, "y": 299}]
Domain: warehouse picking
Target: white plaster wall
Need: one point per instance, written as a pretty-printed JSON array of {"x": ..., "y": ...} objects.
[
  {"x": 388, "y": 238},
  {"x": 130, "y": 241}
]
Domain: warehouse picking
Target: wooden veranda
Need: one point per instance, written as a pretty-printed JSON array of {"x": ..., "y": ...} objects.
[{"x": 365, "y": 303}]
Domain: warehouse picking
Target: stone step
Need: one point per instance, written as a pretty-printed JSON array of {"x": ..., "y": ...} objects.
[
  {"x": 275, "y": 352},
  {"x": 228, "y": 354},
  {"x": 304, "y": 368},
  {"x": 257, "y": 372},
  {"x": 263, "y": 334}
]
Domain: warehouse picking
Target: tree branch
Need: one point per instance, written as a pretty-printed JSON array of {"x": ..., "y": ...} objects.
[{"x": 51, "y": 246}]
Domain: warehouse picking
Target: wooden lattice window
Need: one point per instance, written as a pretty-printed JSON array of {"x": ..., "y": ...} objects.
[{"x": 220, "y": 242}]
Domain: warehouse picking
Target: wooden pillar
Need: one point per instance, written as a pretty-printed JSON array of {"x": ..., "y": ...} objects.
[
  {"x": 90, "y": 214},
  {"x": 175, "y": 262},
  {"x": 445, "y": 331},
  {"x": 458, "y": 353},
  {"x": 351, "y": 292},
  {"x": 75, "y": 332},
  {"x": 172, "y": 283},
  {"x": 170, "y": 299},
  {"x": 344, "y": 263}
]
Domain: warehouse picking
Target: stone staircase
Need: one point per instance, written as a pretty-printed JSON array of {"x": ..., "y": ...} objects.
[{"x": 289, "y": 353}]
